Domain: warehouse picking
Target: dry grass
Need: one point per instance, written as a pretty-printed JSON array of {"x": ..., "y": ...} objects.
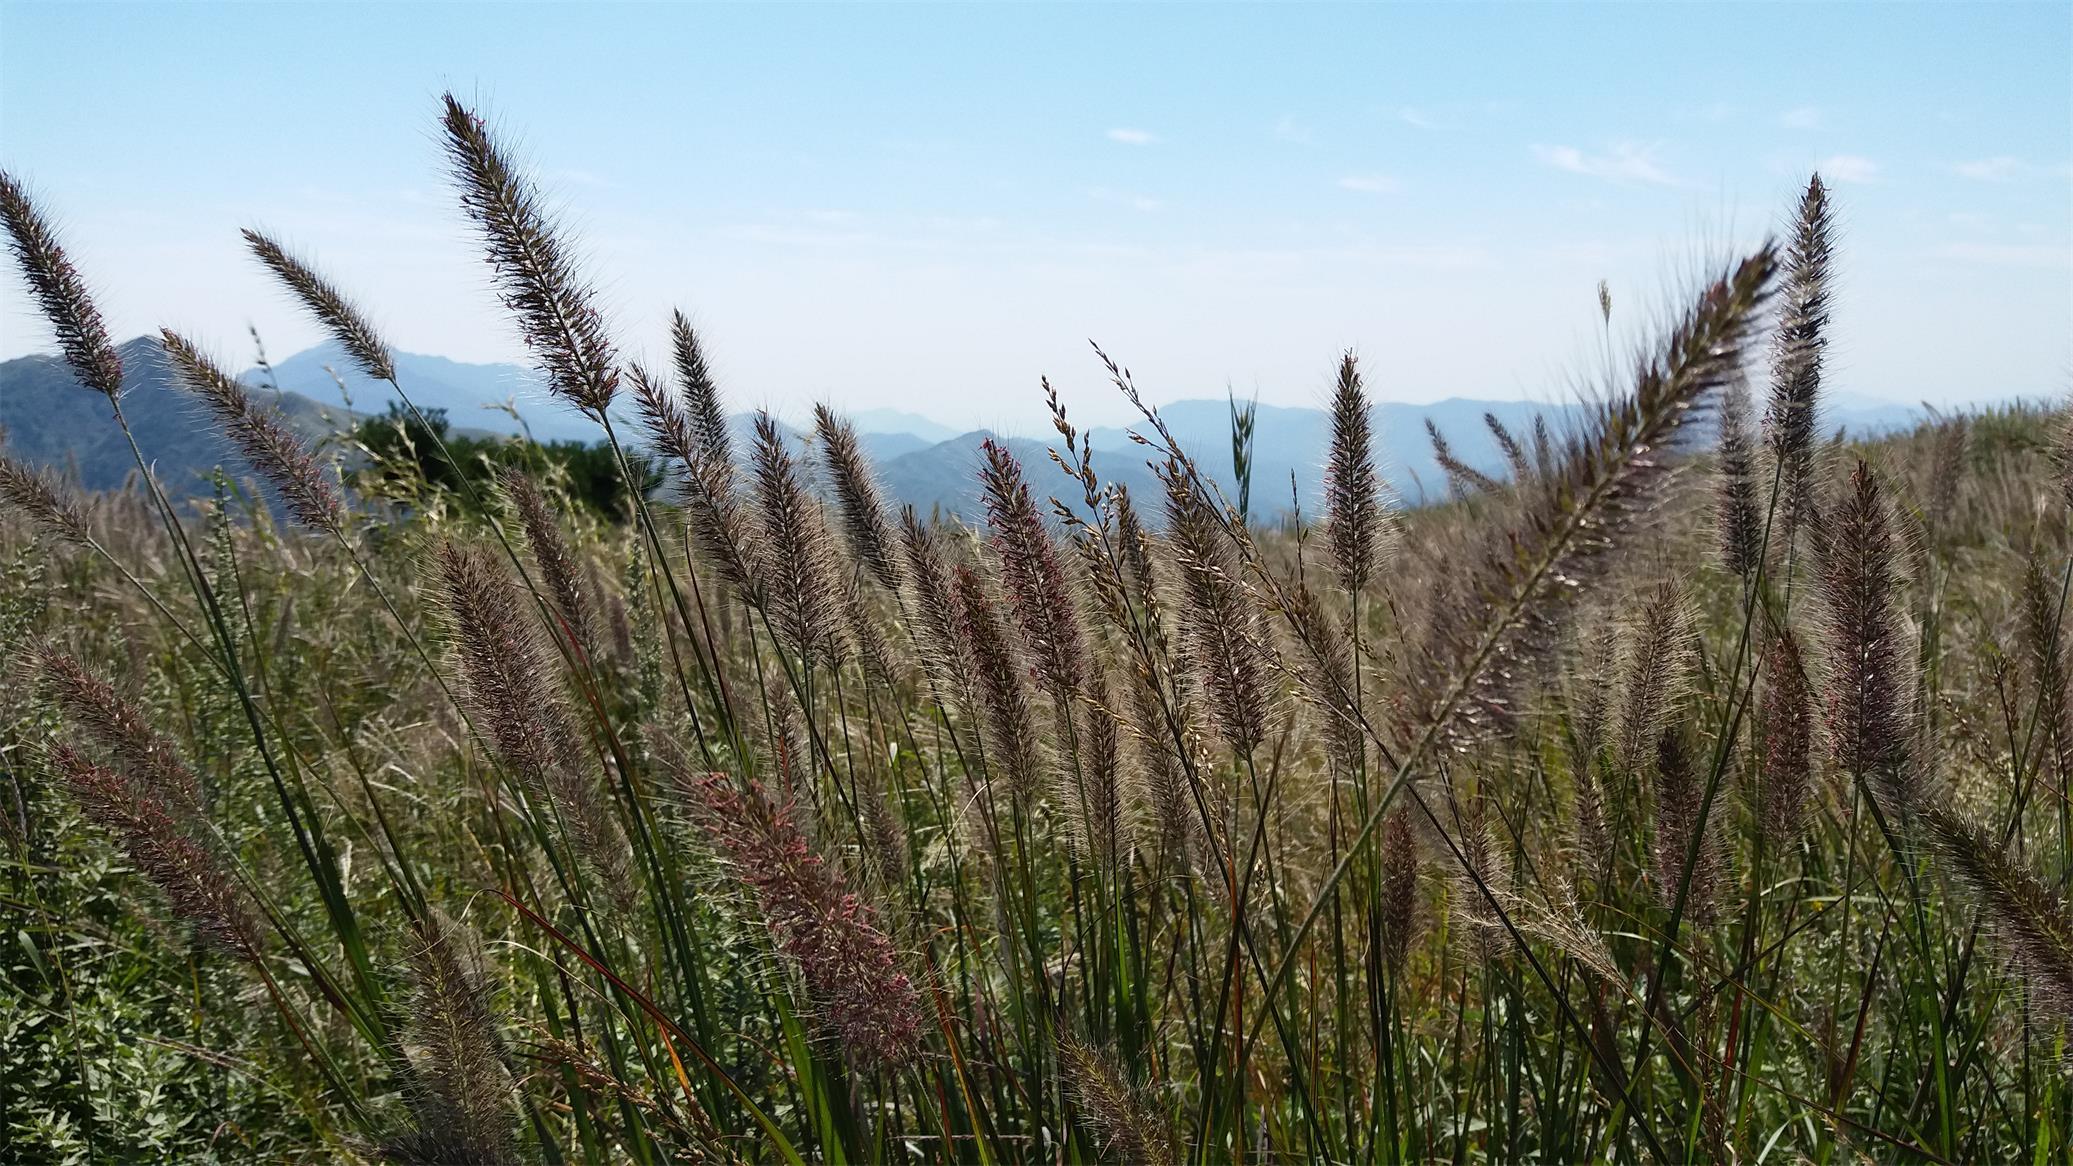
[{"x": 1653, "y": 803}]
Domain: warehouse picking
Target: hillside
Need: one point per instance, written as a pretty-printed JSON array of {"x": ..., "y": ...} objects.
[{"x": 50, "y": 419}]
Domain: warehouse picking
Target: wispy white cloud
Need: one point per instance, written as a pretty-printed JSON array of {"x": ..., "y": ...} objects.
[
  {"x": 2008, "y": 254},
  {"x": 1806, "y": 117},
  {"x": 1288, "y": 129},
  {"x": 1130, "y": 137},
  {"x": 1853, "y": 168},
  {"x": 1625, "y": 162},
  {"x": 2000, "y": 168},
  {"x": 1136, "y": 202},
  {"x": 1412, "y": 116},
  {"x": 1370, "y": 183}
]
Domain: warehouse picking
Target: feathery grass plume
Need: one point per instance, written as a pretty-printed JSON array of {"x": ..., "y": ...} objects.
[
  {"x": 1592, "y": 828},
  {"x": 1786, "y": 767},
  {"x": 273, "y": 449},
  {"x": 1680, "y": 791},
  {"x": 44, "y": 502},
  {"x": 1462, "y": 478},
  {"x": 150, "y": 830},
  {"x": 1953, "y": 438},
  {"x": 59, "y": 291},
  {"x": 1009, "y": 726},
  {"x": 2044, "y": 646},
  {"x": 2062, "y": 454},
  {"x": 864, "y": 522},
  {"x": 861, "y": 623},
  {"x": 1868, "y": 650},
  {"x": 1399, "y": 914},
  {"x": 783, "y": 753},
  {"x": 1126, "y": 1126},
  {"x": 1604, "y": 488},
  {"x": 935, "y": 629},
  {"x": 1482, "y": 884},
  {"x": 92, "y": 705},
  {"x": 1515, "y": 457},
  {"x": 1661, "y": 652},
  {"x": 462, "y": 1102},
  {"x": 2029, "y": 916},
  {"x": 520, "y": 716},
  {"x": 715, "y": 442},
  {"x": 348, "y": 326},
  {"x": 1791, "y": 419},
  {"x": 885, "y": 838},
  {"x": 1091, "y": 792},
  {"x": 718, "y": 521},
  {"x": 1591, "y": 833},
  {"x": 536, "y": 277},
  {"x": 1220, "y": 632},
  {"x": 1326, "y": 671},
  {"x": 1032, "y": 577},
  {"x": 798, "y": 580},
  {"x": 860, "y": 999},
  {"x": 1353, "y": 514},
  {"x": 1174, "y": 826},
  {"x": 558, "y": 564},
  {"x": 1737, "y": 522}
]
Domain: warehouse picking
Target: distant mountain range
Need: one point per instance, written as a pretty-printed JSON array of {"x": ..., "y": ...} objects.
[{"x": 50, "y": 419}]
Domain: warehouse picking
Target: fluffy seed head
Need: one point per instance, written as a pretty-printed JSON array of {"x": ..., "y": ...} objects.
[
  {"x": 1738, "y": 526},
  {"x": 1353, "y": 515},
  {"x": 1010, "y": 727},
  {"x": 1661, "y": 651},
  {"x": 1032, "y": 576},
  {"x": 1121, "y": 1116},
  {"x": 462, "y": 1101},
  {"x": 1220, "y": 625},
  {"x": 864, "y": 523},
  {"x": 1792, "y": 420},
  {"x": 2044, "y": 649},
  {"x": 535, "y": 275},
  {"x": 797, "y": 581},
  {"x": 520, "y": 715},
  {"x": 559, "y": 567},
  {"x": 44, "y": 502},
  {"x": 92, "y": 705},
  {"x": 2028, "y": 916},
  {"x": 1869, "y": 678},
  {"x": 937, "y": 614},
  {"x": 149, "y": 829},
  {"x": 59, "y": 291},
  {"x": 701, "y": 391},
  {"x": 718, "y": 520},
  {"x": 348, "y": 326},
  {"x": 1786, "y": 766},
  {"x": 275, "y": 452},
  {"x": 1680, "y": 792},
  {"x": 861, "y": 1000},
  {"x": 1399, "y": 915}
]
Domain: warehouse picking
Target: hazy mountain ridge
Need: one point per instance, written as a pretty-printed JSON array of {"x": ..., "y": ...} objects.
[{"x": 51, "y": 420}]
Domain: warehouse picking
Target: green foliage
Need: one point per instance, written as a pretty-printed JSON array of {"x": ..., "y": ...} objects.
[{"x": 415, "y": 458}]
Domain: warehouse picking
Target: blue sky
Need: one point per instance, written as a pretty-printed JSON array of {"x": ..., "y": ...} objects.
[{"x": 929, "y": 206}]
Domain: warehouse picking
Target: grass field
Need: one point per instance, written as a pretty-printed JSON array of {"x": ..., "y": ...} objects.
[{"x": 1694, "y": 791}]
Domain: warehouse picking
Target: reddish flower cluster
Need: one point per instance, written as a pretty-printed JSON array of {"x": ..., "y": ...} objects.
[{"x": 861, "y": 998}]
